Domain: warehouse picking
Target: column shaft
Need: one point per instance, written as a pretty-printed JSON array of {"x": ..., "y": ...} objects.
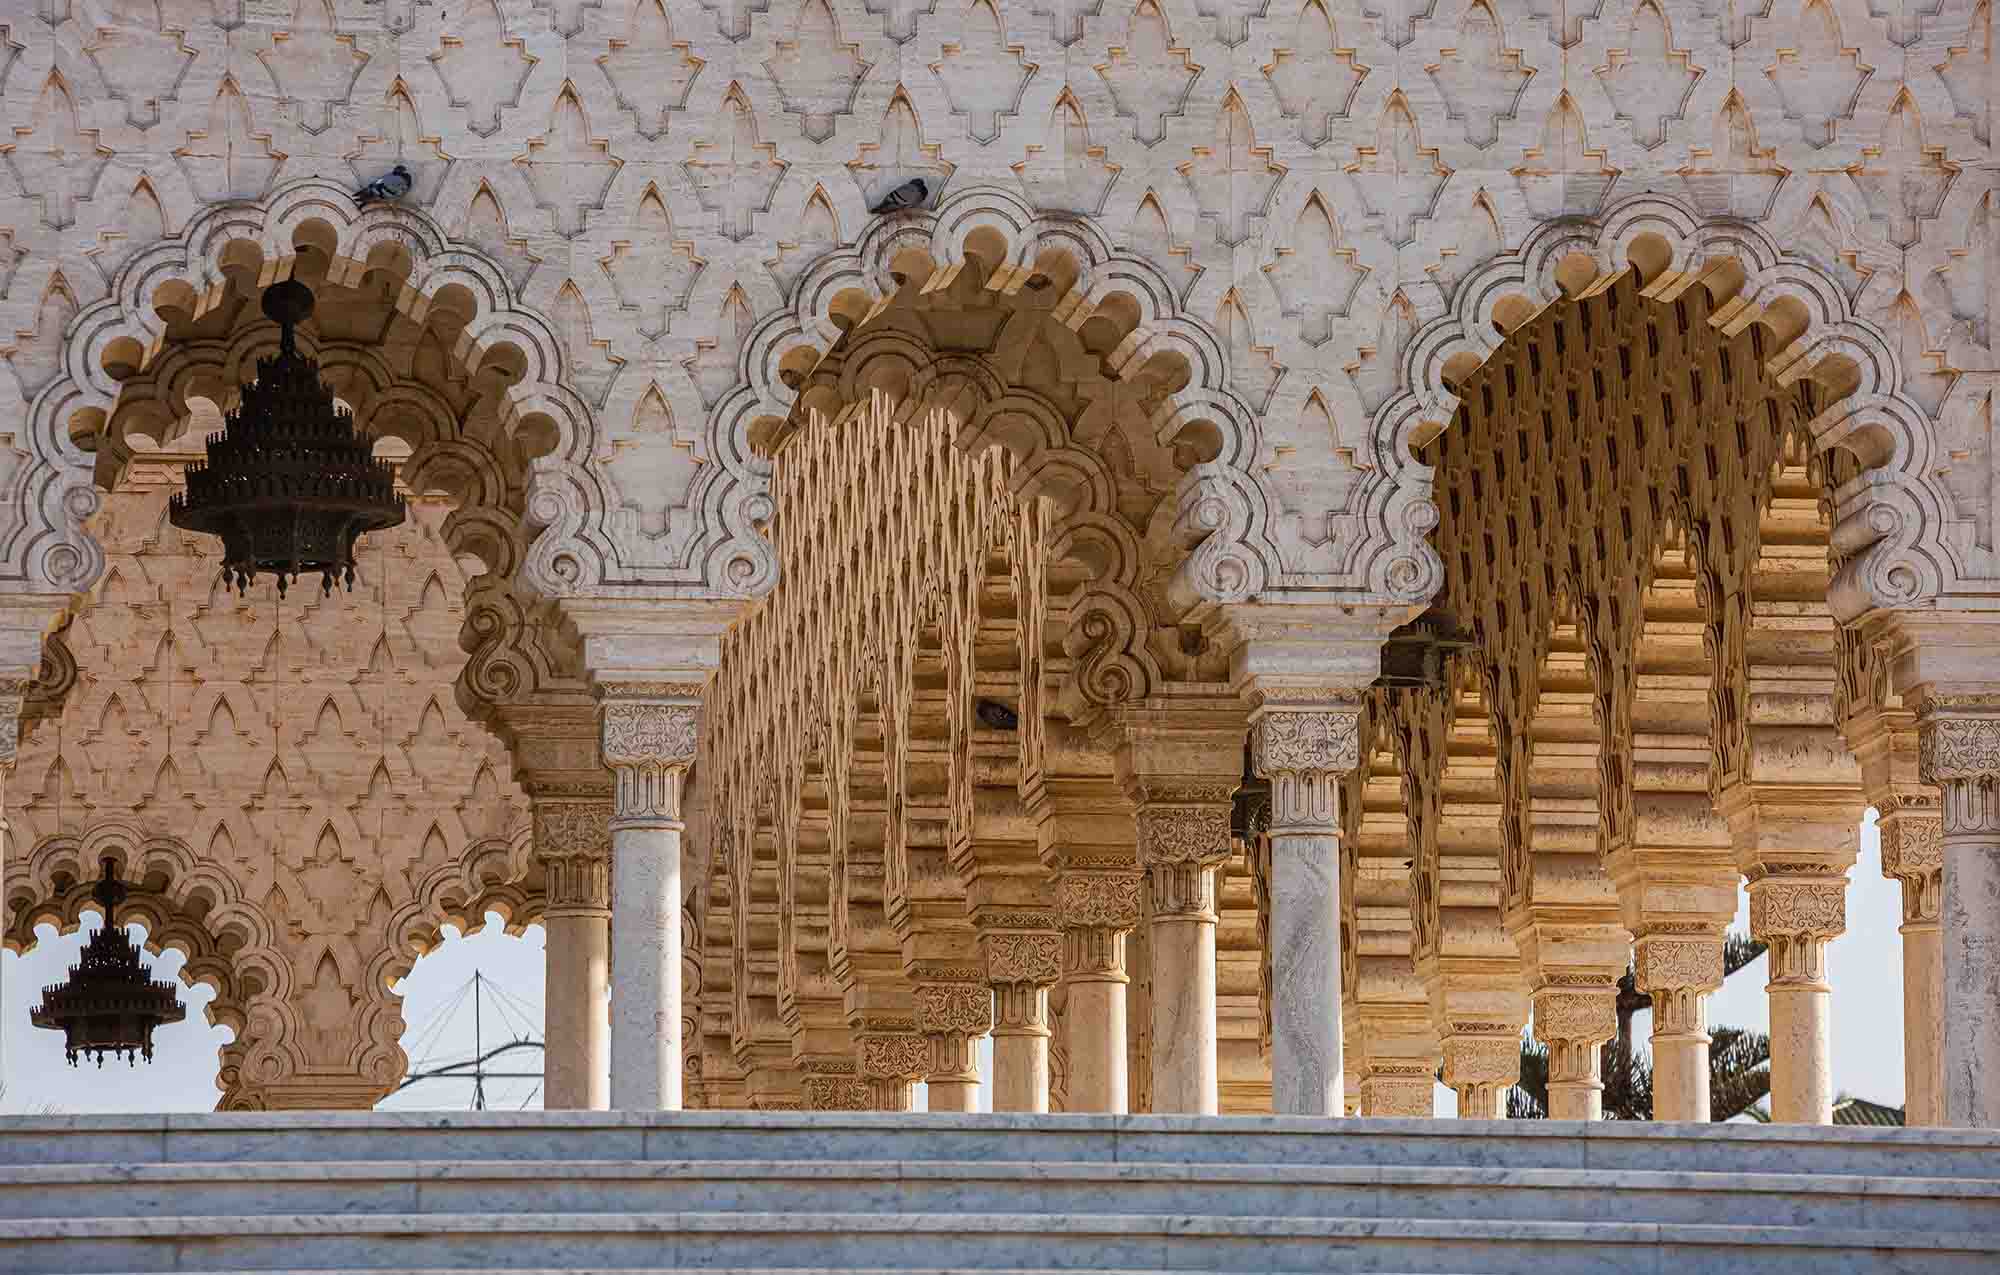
[
  {"x": 1959, "y": 751},
  {"x": 1913, "y": 855},
  {"x": 648, "y": 744},
  {"x": 1096, "y": 909},
  {"x": 956, "y": 1094},
  {"x": 1970, "y": 939},
  {"x": 1183, "y": 951},
  {"x": 1305, "y": 752},
  {"x": 1306, "y": 1062},
  {"x": 1923, "y": 1022},
  {"x": 1096, "y": 1018},
  {"x": 578, "y": 1057},
  {"x": 1021, "y": 1069},
  {"x": 646, "y": 998},
  {"x": 1796, "y": 915},
  {"x": 1680, "y": 1054},
  {"x": 1801, "y": 1053}
]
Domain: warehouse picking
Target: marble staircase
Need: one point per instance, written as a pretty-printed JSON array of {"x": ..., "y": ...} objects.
[{"x": 848, "y": 1193}]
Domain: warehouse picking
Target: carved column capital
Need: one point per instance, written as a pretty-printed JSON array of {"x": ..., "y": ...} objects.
[
  {"x": 1097, "y": 900},
  {"x": 1958, "y": 749},
  {"x": 1096, "y": 910},
  {"x": 829, "y": 1084},
  {"x": 895, "y": 1056},
  {"x": 1795, "y": 917},
  {"x": 1913, "y": 853},
  {"x": 1304, "y": 752},
  {"x": 649, "y": 736},
  {"x": 952, "y": 1015},
  {"x": 1577, "y": 1013},
  {"x": 961, "y": 1008},
  {"x": 1022, "y": 956},
  {"x": 1183, "y": 822},
  {"x": 1672, "y": 961},
  {"x": 573, "y": 845}
]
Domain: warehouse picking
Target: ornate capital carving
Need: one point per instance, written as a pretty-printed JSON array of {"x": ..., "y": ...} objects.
[
  {"x": 1321, "y": 740},
  {"x": 1098, "y": 900},
  {"x": 1668, "y": 963},
  {"x": 1393, "y": 1089},
  {"x": 1571, "y": 1014},
  {"x": 1783, "y": 908},
  {"x": 964, "y": 1008},
  {"x": 1014, "y": 957},
  {"x": 573, "y": 844},
  {"x": 1958, "y": 737},
  {"x": 836, "y": 1093},
  {"x": 1185, "y": 823},
  {"x": 649, "y": 733},
  {"x": 899, "y": 1056},
  {"x": 1482, "y": 1060},
  {"x": 649, "y": 743},
  {"x": 1913, "y": 853}
]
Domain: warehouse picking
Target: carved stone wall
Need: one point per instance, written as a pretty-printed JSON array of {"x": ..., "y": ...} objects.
[
  {"x": 1321, "y": 206},
  {"x": 291, "y": 787}
]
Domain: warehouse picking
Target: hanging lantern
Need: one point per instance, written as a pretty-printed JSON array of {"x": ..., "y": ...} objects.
[
  {"x": 108, "y": 1005},
  {"x": 288, "y": 486}
]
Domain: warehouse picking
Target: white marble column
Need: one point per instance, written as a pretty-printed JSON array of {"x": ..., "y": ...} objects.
[
  {"x": 1960, "y": 753},
  {"x": 1679, "y": 972},
  {"x": 649, "y": 742},
  {"x": 1183, "y": 840},
  {"x": 1182, "y": 941},
  {"x": 1021, "y": 1047},
  {"x": 1304, "y": 754},
  {"x": 1021, "y": 966},
  {"x": 1574, "y": 1022},
  {"x": 952, "y": 1017},
  {"x": 1913, "y": 854},
  {"x": 573, "y": 845},
  {"x": 1795, "y": 917},
  {"x": 1096, "y": 911}
]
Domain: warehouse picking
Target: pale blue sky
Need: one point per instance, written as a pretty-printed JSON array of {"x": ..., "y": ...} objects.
[{"x": 1865, "y": 968}]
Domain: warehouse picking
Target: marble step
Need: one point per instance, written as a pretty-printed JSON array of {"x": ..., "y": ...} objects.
[
  {"x": 903, "y": 1242},
  {"x": 956, "y": 1187},
  {"x": 826, "y": 1137}
]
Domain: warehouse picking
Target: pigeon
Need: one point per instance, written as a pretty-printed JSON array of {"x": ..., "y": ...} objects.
[
  {"x": 391, "y": 186},
  {"x": 911, "y": 194}
]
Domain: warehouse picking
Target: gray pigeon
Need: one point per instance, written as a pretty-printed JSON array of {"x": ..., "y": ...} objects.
[
  {"x": 391, "y": 186},
  {"x": 911, "y": 194}
]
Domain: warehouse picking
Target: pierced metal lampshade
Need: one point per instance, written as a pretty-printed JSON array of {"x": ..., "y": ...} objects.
[
  {"x": 108, "y": 1005},
  {"x": 288, "y": 486}
]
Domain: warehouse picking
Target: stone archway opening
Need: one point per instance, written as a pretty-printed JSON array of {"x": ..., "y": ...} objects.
[
  {"x": 473, "y": 1002},
  {"x": 191, "y": 1057},
  {"x": 318, "y": 752},
  {"x": 1008, "y": 480},
  {"x": 1644, "y": 470}
]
